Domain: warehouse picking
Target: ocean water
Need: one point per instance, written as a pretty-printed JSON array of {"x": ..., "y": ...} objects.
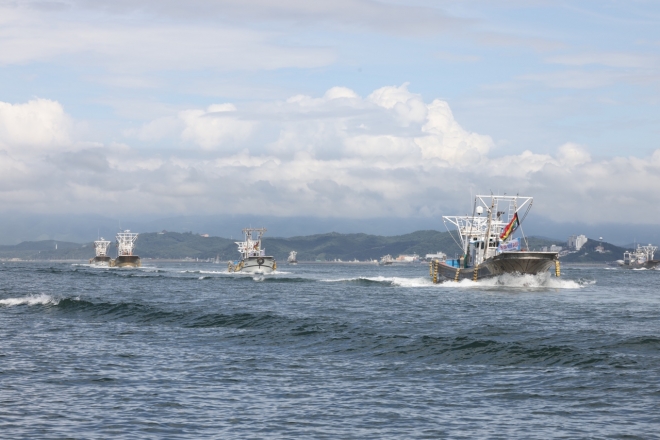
[{"x": 326, "y": 351}]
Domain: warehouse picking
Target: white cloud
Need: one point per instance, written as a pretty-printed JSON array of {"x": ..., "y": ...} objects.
[
  {"x": 389, "y": 154},
  {"x": 214, "y": 127},
  {"x": 40, "y": 125}
]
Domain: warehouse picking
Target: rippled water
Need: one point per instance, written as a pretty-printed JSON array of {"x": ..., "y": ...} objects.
[{"x": 326, "y": 351}]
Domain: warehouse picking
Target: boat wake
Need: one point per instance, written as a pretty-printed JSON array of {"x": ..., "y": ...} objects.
[
  {"x": 31, "y": 300},
  {"x": 540, "y": 281}
]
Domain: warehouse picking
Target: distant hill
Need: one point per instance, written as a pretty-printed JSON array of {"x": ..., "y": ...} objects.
[
  {"x": 588, "y": 254},
  {"x": 175, "y": 245}
]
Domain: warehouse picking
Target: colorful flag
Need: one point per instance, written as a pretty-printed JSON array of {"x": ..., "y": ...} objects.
[{"x": 510, "y": 228}]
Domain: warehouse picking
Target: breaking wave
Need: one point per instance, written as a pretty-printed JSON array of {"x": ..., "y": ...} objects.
[
  {"x": 387, "y": 281},
  {"x": 31, "y": 300}
]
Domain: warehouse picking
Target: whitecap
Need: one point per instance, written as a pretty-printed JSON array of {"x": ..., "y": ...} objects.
[{"x": 31, "y": 300}]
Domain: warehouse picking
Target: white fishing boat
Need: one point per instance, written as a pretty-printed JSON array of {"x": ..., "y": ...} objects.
[
  {"x": 487, "y": 244},
  {"x": 292, "y": 258},
  {"x": 253, "y": 256},
  {"x": 386, "y": 260},
  {"x": 125, "y": 245},
  {"x": 101, "y": 258},
  {"x": 640, "y": 258}
]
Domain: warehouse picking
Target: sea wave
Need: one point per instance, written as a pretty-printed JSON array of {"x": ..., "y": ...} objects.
[
  {"x": 387, "y": 281},
  {"x": 31, "y": 300}
]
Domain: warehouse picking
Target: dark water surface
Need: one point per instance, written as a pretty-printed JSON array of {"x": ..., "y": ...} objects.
[{"x": 326, "y": 351}]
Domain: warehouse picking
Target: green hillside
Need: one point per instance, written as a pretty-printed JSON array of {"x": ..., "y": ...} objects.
[{"x": 324, "y": 247}]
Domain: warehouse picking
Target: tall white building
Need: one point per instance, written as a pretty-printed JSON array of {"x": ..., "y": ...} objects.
[{"x": 575, "y": 242}]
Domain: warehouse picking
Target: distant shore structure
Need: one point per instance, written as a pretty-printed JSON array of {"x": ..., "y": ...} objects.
[
  {"x": 125, "y": 245},
  {"x": 575, "y": 242},
  {"x": 414, "y": 258},
  {"x": 440, "y": 256}
]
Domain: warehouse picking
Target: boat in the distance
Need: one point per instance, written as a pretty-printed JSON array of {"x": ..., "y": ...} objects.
[
  {"x": 101, "y": 249},
  {"x": 640, "y": 258},
  {"x": 125, "y": 245},
  {"x": 488, "y": 248},
  {"x": 292, "y": 258},
  {"x": 253, "y": 256},
  {"x": 386, "y": 260}
]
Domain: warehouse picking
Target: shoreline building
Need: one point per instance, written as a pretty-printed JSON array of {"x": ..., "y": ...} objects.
[{"x": 575, "y": 242}]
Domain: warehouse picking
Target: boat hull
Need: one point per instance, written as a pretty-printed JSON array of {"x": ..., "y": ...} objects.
[
  {"x": 101, "y": 261},
  {"x": 127, "y": 261},
  {"x": 651, "y": 264},
  {"x": 254, "y": 265},
  {"x": 522, "y": 263}
]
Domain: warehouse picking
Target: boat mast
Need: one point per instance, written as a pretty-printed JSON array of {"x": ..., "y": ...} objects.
[{"x": 487, "y": 237}]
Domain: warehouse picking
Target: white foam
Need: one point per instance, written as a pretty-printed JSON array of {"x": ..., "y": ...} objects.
[
  {"x": 31, "y": 300},
  {"x": 412, "y": 282},
  {"x": 544, "y": 280}
]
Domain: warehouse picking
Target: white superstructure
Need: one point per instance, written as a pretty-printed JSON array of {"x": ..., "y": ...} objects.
[
  {"x": 126, "y": 243},
  {"x": 101, "y": 247},
  {"x": 492, "y": 223},
  {"x": 641, "y": 256},
  {"x": 292, "y": 257}
]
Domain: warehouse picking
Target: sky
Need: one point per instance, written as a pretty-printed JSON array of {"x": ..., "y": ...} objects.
[{"x": 351, "y": 109}]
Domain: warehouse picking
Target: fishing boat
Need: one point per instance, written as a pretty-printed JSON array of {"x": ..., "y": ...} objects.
[
  {"x": 125, "y": 245},
  {"x": 101, "y": 258},
  {"x": 253, "y": 256},
  {"x": 386, "y": 260},
  {"x": 640, "y": 258},
  {"x": 292, "y": 258},
  {"x": 487, "y": 243}
]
